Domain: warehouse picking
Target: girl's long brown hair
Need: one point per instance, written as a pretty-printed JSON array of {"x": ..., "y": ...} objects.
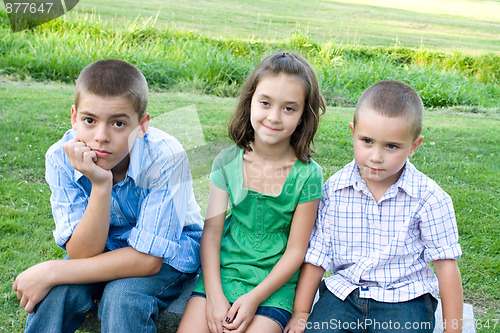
[{"x": 240, "y": 127}]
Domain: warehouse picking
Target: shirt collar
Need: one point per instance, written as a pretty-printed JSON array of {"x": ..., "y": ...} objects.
[
  {"x": 137, "y": 162},
  {"x": 77, "y": 174},
  {"x": 352, "y": 178},
  {"x": 407, "y": 180}
]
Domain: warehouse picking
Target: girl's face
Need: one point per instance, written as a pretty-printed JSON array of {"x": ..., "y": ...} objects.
[{"x": 276, "y": 108}]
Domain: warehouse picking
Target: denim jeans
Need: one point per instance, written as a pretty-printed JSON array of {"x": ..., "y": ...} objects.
[
  {"x": 355, "y": 314},
  {"x": 127, "y": 305}
]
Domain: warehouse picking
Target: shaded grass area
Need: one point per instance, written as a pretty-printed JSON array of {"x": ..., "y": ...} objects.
[
  {"x": 183, "y": 61},
  {"x": 460, "y": 152}
]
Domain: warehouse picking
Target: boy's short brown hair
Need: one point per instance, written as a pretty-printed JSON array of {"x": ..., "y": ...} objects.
[
  {"x": 393, "y": 99},
  {"x": 114, "y": 78}
]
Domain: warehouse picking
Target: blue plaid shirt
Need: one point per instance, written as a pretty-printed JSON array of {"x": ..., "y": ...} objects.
[
  {"x": 383, "y": 248},
  {"x": 153, "y": 209}
]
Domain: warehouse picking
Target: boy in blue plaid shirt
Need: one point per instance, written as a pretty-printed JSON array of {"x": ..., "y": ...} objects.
[{"x": 380, "y": 223}]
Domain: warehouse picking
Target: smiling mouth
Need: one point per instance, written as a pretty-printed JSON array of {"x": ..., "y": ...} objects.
[{"x": 272, "y": 129}]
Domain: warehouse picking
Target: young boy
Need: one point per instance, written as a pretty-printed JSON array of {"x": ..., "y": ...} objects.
[
  {"x": 380, "y": 223},
  {"x": 124, "y": 210}
]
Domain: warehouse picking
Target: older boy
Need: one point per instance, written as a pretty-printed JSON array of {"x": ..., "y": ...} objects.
[
  {"x": 380, "y": 223},
  {"x": 124, "y": 211}
]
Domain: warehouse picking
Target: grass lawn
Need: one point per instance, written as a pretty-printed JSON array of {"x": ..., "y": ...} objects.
[
  {"x": 460, "y": 151},
  {"x": 468, "y": 26}
]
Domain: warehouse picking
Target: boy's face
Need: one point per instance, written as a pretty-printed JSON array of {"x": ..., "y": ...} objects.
[
  {"x": 381, "y": 146},
  {"x": 108, "y": 126}
]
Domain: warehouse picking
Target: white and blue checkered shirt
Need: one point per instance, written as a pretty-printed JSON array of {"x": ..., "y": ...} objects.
[
  {"x": 153, "y": 209},
  {"x": 383, "y": 248}
]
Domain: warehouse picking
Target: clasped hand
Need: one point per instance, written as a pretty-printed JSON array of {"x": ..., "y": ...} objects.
[{"x": 224, "y": 318}]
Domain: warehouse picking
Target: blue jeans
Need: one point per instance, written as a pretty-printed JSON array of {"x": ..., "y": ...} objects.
[
  {"x": 355, "y": 314},
  {"x": 127, "y": 305}
]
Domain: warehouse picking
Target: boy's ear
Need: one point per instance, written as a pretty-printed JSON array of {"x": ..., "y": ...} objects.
[
  {"x": 143, "y": 125},
  {"x": 415, "y": 145},
  {"x": 73, "y": 117},
  {"x": 351, "y": 126}
]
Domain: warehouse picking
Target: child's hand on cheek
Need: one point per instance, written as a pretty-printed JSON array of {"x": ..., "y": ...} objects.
[{"x": 83, "y": 159}]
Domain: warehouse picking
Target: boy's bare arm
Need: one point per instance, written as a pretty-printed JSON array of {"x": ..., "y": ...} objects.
[
  {"x": 33, "y": 284},
  {"x": 450, "y": 290},
  {"x": 90, "y": 235},
  {"x": 309, "y": 279}
]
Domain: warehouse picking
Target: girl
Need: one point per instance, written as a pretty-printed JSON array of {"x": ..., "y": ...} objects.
[{"x": 250, "y": 259}]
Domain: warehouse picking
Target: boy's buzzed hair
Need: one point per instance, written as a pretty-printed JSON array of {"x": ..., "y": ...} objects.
[
  {"x": 393, "y": 99},
  {"x": 114, "y": 78}
]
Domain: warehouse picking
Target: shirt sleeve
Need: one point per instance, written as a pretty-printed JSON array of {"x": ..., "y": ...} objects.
[
  {"x": 163, "y": 211},
  {"x": 217, "y": 176},
  {"x": 312, "y": 187},
  {"x": 319, "y": 252},
  {"x": 68, "y": 200},
  {"x": 439, "y": 228},
  {"x": 227, "y": 162}
]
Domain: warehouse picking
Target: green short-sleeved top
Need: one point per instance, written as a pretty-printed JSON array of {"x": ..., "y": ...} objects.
[{"x": 257, "y": 228}]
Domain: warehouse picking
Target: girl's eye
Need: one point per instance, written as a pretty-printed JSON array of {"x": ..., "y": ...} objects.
[
  {"x": 88, "y": 121},
  {"x": 288, "y": 109},
  {"x": 264, "y": 103},
  {"x": 119, "y": 124}
]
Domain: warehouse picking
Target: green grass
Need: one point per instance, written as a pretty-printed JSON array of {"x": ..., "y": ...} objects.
[
  {"x": 180, "y": 61},
  {"x": 442, "y": 25},
  {"x": 460, "y": 151}
]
